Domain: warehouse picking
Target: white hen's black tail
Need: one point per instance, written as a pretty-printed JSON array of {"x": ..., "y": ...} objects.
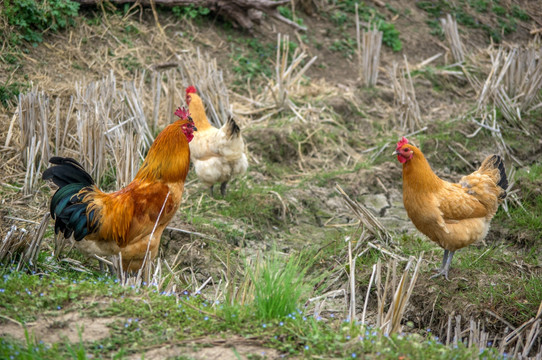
[{"x": 232, "y": 129}]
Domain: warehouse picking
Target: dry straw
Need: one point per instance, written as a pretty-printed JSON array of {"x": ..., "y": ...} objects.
[
  {"x": 22, "y": 246},
  {"x": 278, "y": 95},
  {"x": 513, "y": 83},
  {"x": 523, "y": 342},
  {"x": 449, "y": 25},
  {"x": 202, "y": 71},
  {"x": 407, "y": 108},
  {"x": 399, "y": 292},
  {"x": 33, "y": 114},
  {"x": 369, "y": 44}
]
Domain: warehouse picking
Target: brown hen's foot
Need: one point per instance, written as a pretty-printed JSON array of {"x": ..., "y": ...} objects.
[
  {"x": 446, "y": 262},
  {"x": 440, "y": 273}
]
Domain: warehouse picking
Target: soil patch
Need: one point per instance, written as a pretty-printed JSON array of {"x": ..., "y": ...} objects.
[
  {"x": 71, "y": 326},
  {"x": 233, "y": 348}
]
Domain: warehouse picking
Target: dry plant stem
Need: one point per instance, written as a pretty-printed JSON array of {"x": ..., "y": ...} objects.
[
  {"x": 33, "y": 249},
  {"x": 202, "y": 72},
  {"x": 405, "y": 99},
  {"x": 452, "y": 36},
  {"x": 358, "y": 39},
  {"x": 287, "y": 77},
  {"x": 371, "y": 43},
  {"x": 352, "y": 264},
  {"x": 193, "y": 233},
  {"x": 401, "y": 298},
  {"x": 146, "y": 259},
  {"x": 512, "y": 84},
  {"x": 369, "y": 221},
  {"x": 367, "y": 296},
  {"x": 24, "y": 243}
]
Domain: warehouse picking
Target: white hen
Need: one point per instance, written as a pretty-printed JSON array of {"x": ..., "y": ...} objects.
[{"x": 217, "y": 154}]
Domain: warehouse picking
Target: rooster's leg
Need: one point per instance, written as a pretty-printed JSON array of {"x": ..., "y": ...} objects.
[
  {"x": 212, "y": 194},
  {"x": 446, "y": 262},
  {"x": 223, "y": 188}
]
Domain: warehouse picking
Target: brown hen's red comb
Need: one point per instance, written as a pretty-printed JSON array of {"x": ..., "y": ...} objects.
[
  {"x": 190, "y": 90},
  {"x": 183, "y": 113},
  {"x": 403, "y": 141}
]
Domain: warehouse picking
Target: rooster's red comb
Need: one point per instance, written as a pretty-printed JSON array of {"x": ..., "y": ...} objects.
[
  {"x": 402, "y": 142},
  {"x": 190, "y": 90},
  {"x": 183, "y": 113}
]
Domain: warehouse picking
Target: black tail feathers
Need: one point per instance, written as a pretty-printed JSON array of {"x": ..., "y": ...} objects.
[
  {"x": 67, "y": 171},
  {"x": 233, "y": 128},
  {"x": 67, "y": 208},
  {"x": 503, "y": 180}
]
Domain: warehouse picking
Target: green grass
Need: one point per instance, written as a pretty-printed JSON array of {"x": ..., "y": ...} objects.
[
  {"x": 144, "y": 318},
  {"x": 526, "y": 222},
  {"x": 279, "y": 285},
  {"x": 31, "y": 19},
  {"x": 10, "y": 92},
  {"x": 253, "y": 59},
  {"x": 469, "y": 14},
  {"x": 343, "y": 17},
  {"x": 190, "y": 12}
]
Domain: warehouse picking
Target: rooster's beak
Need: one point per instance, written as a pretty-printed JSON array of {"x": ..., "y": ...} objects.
[{"x": 395, "y": 153}]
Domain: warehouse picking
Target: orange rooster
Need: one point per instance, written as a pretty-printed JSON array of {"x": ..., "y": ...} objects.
[
  {"x": 452, "y": 215},
  {"x": 131, "y": 220},
  {"x": 217, "y": 154}
]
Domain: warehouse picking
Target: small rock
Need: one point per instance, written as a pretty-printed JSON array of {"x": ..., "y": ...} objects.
[{"x": 375, "y": 202}]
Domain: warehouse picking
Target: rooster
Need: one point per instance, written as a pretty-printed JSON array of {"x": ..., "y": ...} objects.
[
  {"x": 131, "y": 220},
  {"x": 452, "y": 215},
  {"x": 217, "y": 154}
]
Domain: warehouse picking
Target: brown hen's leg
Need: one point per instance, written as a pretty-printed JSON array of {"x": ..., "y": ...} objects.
[
  {"x": 223, "y": 188},
  {"x": 444, "y": 258},
  {"x": 446, "y": 262}
]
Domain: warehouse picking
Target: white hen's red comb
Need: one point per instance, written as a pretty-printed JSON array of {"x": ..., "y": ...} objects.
[
  {"x": 190, "y": 90},
  {"x": 183, "y": 113}
]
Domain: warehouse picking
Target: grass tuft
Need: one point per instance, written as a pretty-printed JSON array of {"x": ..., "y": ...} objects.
[{"x": 279, "y": 286}]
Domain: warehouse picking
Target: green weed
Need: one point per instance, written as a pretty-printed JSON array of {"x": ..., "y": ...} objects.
[
  {"x": 10, "y": 92},
  {"x": 462, "y": 12},
  {"x": 526, "y": 222},
  {"x": 369, "y": 15},
  {"x": 32, "y": 19},
  {"x": 287, "y": 13},
  {"x": 279, "y": 285},
  {"x": 190, "y": 12}
]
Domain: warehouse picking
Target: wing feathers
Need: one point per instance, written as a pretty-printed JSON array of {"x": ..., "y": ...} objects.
[
  {"x": 457, "y": 204},
  {"x": 478, "y": 194}
]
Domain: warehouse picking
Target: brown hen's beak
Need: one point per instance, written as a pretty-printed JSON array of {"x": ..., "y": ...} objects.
[{"x": 395, "y": 153}]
